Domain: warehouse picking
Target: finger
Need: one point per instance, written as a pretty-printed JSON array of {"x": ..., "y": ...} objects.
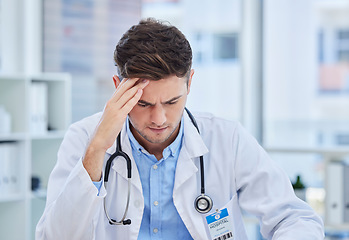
[
  {"x": 129, "y": 105},
  {"x": 128, "y": 83},
  {"x": 131, "y": 92},
  {"x": 120, "y": 85},
  {"x": 124, "y": 86}
]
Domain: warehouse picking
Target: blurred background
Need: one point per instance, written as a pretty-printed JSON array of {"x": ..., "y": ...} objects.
[{"x": 281, "y": 68}]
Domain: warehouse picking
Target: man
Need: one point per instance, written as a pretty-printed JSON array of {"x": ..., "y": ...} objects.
[{"x": 164, "y": 146}]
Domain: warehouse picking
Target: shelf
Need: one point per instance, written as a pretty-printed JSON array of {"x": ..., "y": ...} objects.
[
  {"x": 13, "y": 137},
  {"x": 25, "y": 153},
  {"x": 12, "y": 197},
  {"x": 48, "y": 135},
  {"x": 12, "y": 77}
]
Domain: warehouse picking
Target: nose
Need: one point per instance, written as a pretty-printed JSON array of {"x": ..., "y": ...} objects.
[{"x": 158, "y": 115}]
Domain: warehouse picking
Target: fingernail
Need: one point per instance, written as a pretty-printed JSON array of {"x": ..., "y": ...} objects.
[{"x": 144, "y": 80}]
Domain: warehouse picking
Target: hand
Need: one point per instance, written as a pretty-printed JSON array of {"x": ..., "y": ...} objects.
[{"x": 126, "y": 96}]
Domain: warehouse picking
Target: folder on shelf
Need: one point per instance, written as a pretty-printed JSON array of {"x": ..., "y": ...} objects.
[
  {"x": 337, "y": 193},
  {"x": 334, "y": 193},
  {"x": 2, "y": 170},
  {"x": 346, "y": 194},
  {"x": 39, "y": 107},
  {"x": 9, "y": 170}
]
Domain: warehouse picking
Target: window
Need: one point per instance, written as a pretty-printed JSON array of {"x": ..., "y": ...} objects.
[
  {"x": 306, "y": 76},
  {"x": 212, "y": 28},
  {"x": 80, "y": 37},
  {"x": 334, "y": 71},
  {"x": 343, "y": 45},
  {"x": 225, "y": 46}
]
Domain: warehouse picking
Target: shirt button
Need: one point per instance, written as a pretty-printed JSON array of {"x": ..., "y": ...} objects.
[
  {"x": 156, "y": 203},
  {"x": 155, "y": 167},
  {"x": 155, "y": 230}
]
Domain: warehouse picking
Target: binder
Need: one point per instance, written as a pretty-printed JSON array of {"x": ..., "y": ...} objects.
[
  {"x": 346, "y": 193},
  {"x": 9, "y": 169},
  {"x": 5, "y": 166},
  {"x": 335, "y": 194},
  {"x": 2, "y": 172},
  {"x": 39, "y": 107}
]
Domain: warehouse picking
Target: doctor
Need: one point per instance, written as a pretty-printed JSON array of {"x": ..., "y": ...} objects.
[{"x": 148, "y": 110}]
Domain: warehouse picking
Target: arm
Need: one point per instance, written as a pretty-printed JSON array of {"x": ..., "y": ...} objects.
[
  {"x": 265, "y": 191},
  {"x": 124, "y": 99},
  {"x": 73, "y": 205}
]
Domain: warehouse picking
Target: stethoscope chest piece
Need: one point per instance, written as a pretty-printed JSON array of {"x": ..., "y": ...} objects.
[{"x": 203, "y": 203}]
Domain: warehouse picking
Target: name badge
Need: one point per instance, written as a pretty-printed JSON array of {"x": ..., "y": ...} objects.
[{"x": 220, "y": 225}]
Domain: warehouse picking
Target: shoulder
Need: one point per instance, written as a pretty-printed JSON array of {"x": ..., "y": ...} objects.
[
  {"x": 85, "y": 126},
  {"x": 217, "y": 129},
  {"x": 208, "y": 122},
  {"x": 76, "y": 138},
  {"x": 91, "y": 120}
]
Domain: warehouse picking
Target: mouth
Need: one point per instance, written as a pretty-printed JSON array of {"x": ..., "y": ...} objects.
[{"x": 158, "y": 130}]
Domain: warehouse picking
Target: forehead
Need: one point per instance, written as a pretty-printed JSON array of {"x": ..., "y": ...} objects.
[{"x": 165, "y": 88}]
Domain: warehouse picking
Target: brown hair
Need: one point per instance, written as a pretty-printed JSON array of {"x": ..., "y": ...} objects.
[{"x": 153, "y": 50}]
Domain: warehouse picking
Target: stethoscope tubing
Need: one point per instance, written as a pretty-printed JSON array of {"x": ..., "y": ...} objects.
[
  {"x": 203, "y": 203},
  {"x": 202, "y": 170},
  {"x": 122, "y": 221},
  {"x": 117, "y": 153}
]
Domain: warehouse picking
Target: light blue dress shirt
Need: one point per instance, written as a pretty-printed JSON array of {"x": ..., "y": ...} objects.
[{"x": 160, "y": 218}]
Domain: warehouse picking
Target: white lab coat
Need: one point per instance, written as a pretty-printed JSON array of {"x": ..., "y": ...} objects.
[{"x": 238, "y": 174}]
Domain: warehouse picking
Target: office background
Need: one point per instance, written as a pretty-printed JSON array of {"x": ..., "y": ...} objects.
[{"x": 279, "y": 67}]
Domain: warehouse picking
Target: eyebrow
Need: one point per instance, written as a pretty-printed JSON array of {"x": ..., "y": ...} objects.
[{"x": 166, "y": 102}]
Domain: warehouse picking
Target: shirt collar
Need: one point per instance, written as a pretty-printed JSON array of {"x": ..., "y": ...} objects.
[{"x": 170, "y": 150}]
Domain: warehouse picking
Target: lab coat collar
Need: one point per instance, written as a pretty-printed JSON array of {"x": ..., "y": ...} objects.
[{"x": 192, "y": 139}]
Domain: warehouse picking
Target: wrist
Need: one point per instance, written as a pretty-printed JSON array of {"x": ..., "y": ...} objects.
[{"x": 93, "y": 162}]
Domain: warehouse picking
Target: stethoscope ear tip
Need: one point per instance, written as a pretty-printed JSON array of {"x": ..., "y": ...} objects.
[{"x": 126, "y": 222}]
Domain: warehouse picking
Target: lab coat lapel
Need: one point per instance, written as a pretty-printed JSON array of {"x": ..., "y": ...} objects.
[
  {"x": 187, "y": 183},
  {"x": 120, "y": 166},
  {"x": 192, "y": 147}
]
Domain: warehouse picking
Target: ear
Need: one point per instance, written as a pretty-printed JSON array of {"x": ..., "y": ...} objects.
[
  {"x": 116, "y": 81},
  {"x": 189, "y": 80}
]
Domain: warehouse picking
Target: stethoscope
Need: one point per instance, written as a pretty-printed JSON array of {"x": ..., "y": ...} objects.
[{"x": 203, "y": 203}]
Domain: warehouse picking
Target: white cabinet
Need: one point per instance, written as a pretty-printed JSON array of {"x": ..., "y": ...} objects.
[{"x": 26, "y": 152}]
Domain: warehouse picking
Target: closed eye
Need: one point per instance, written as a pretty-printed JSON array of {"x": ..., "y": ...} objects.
[
  {"x": 142, "y": 103},
  {"x": 173, "y": 102}
]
